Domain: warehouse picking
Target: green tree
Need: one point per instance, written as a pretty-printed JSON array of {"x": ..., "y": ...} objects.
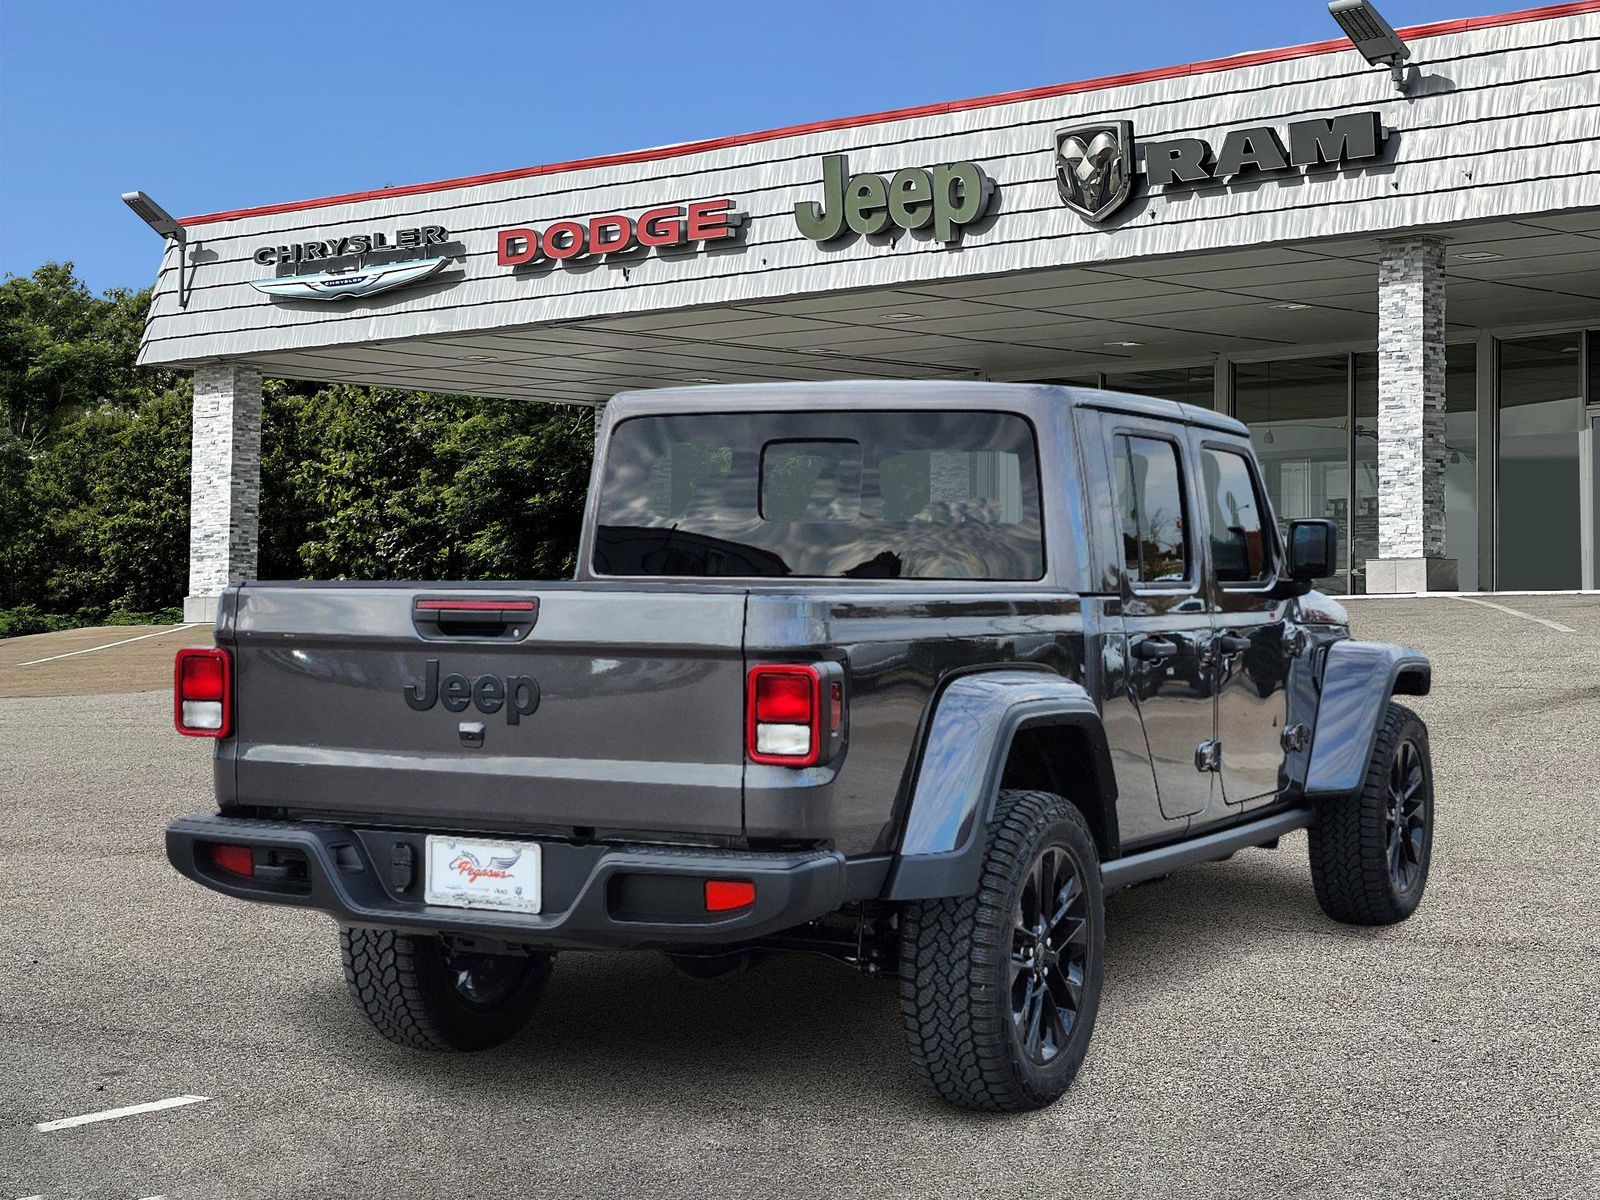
[
  {"x": 412, "y": 485},
  {"x": 518, "y": 496},
  {"x": 290, "y": 440},
  {"x": 355, "y": 482},
  {"x": 113, "y": 494},
  {"x": 64, "y": 351},
  {"x": 20, "y": 533}
]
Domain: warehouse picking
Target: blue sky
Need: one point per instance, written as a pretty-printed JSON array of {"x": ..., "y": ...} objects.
[{"x": 210, "y": 106}]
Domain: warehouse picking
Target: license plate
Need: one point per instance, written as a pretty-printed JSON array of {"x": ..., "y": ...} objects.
[{"x": 473, "y": 873}]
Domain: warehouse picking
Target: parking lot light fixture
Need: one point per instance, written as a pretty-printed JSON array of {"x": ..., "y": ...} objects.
[
  {"x": 153, "y": 215},
  {"x": 164, "y": 223},
  {"x": 1372, "y": 36}
]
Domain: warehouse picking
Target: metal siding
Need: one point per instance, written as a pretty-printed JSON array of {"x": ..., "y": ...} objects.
[{"x": 1533, "y": 88}]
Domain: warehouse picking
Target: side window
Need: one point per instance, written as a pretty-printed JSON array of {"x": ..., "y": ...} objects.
[
  {"x": 1155, "y": 544},
  {"x": 1237, "y": 518}
]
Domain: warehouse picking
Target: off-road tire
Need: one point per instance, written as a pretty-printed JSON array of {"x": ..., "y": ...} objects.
[
  {"x": 1349, "y": 840},
  {"x": 714, "y": 968},
  {"x": 405, "y": 985},
  {"x": 955, "y": 958}
]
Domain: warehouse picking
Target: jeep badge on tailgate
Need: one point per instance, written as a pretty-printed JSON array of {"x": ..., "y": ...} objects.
[{"x": 517, "y": 694}]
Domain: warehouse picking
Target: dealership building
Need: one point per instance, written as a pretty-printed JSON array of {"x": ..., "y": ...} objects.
[{"x": 1392, "y": 277}]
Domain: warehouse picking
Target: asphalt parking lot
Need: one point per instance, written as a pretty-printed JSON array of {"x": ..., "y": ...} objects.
[{"x": 1247, "y": 1046}]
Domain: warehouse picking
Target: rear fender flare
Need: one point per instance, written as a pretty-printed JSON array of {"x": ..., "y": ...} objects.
[
  {"x": 958, "y": 777},
  {"x": 1357, "y": 681}
]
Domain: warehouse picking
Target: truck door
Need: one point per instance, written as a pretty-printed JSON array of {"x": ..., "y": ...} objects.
[
  {"x": 1165, "y": 612},
  {"x": 1250, "y": 652}
]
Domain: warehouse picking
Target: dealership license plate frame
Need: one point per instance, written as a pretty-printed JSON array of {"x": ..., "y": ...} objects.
[{"x": 485, "y": 880}]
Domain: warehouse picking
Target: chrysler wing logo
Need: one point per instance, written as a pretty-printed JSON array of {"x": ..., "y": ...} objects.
[
  {"x": 1094, "y": 167},
  {"x": 362, "y": 281}
]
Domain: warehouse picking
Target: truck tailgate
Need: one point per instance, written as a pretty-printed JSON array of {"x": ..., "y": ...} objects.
[{"x": 350, "y": 700}]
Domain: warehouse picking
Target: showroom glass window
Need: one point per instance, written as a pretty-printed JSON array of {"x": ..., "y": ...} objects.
[
  {"x": 1538, "y": 544},
  {"x": 1593, "y": 356},
  {"x": 1091, "y": 380},
  {"x": 1187, "y": 385},
  {"x": 1461, "y": 463},
  {"x": 1298, "y": 411}
]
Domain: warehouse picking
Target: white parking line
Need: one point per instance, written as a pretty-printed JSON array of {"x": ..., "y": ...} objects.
[
  {"x": 111, "y": 1114},
  {"x": 108, "y": 645},
  {"x": 1556, "y": 625}
]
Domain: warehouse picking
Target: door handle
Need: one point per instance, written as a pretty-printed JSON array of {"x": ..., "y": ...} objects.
[
  {"x": 1155, "y": 647},
  {"x": 1234, "y": 645}
]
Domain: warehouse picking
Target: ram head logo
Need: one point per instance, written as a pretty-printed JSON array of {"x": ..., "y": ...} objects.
[{"x": 1094, "y": 167}]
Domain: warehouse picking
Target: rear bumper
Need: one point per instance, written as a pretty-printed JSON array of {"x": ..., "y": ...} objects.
[{"x": 595, "y": 896}]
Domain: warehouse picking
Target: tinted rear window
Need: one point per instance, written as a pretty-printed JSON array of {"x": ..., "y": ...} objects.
[{"x": 871, "y": 495}]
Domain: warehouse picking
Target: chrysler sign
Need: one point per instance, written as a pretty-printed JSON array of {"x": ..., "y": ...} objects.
[
  {"x": 1097, "y": 163},
  {"x": 372, "y": 242},
  {"x": 349, "y": 269}
]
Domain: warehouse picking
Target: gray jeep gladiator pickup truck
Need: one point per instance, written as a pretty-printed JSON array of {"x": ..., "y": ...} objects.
[{"x": 907, "y": 674}]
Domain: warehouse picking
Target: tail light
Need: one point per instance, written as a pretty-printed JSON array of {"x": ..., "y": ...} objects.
[
  {"x": 202, "y": 692},
  {"x": 783, "y": 715}
]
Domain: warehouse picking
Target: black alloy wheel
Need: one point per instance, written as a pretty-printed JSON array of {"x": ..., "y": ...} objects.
[
  {"x": 1407, "y": 816},
  {"x": 1371, "y": 850},
  {"x": 1049, "y": 954},
  {"x": 999, "y": 988}
]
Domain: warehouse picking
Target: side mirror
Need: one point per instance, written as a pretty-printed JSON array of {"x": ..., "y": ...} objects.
[{"x": 1312, "y": 550}]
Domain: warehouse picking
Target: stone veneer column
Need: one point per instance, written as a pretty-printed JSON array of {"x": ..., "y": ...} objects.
[
  {"x": 1411, "y": 427},
  {"x": 224, "y": 483}
]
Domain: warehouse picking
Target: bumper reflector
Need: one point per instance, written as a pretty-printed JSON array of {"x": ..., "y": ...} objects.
[
  {"x": 236, "y": 859},
  {"x": 724, "y": 895}
]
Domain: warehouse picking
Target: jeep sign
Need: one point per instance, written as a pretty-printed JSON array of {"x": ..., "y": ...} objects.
[{"x": 947, "y": 197}]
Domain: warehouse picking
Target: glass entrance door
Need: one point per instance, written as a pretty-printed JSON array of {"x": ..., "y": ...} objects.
[
  {"x": 1591, "y": 483},
  {"x": 1543, "y": 428}
]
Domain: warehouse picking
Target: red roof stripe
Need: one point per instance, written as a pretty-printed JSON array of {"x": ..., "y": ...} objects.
[{"x": 1208, "y": 66}]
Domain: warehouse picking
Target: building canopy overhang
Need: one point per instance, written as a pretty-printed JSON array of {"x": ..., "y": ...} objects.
[{"x": 714, "y": 260}]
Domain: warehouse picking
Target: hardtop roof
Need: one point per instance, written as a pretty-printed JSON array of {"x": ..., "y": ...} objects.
[{"x": 1028, "y": 398}]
